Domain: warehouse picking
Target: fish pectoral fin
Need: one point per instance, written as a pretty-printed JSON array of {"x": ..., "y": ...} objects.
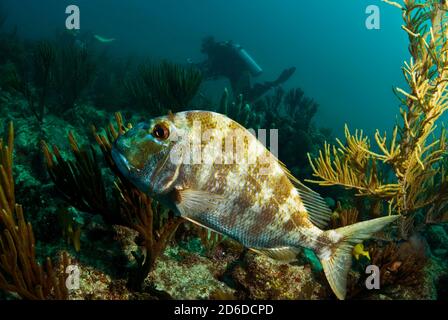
[
  {"x": 286, "y": 254},
  {"x": 190, "y": 201}
]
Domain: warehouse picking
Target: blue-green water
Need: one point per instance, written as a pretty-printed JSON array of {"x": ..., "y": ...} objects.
[
  {"x": 348, "y": 69},
  {"x": 105, "y": 209}
]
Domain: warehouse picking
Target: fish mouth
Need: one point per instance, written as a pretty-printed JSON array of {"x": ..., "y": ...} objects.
[{"x": 121, "y": 162}]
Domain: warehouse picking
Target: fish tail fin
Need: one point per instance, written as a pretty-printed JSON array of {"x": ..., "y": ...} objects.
[{"x": 336, "y": 258}]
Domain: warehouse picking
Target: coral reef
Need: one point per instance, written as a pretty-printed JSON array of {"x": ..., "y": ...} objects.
[
  {"x": 188, "y": 276},
  {"x": 258, "y": 277},
  {"x": 128, "y": 246},
  {"x": 80, "y": 181}
]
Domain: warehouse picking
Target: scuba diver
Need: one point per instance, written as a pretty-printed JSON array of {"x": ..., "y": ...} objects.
[
  {"x": 82, "y": 40},
  {"x": 231, "y": 60}
]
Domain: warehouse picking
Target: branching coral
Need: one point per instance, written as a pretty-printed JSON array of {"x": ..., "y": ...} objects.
[
  {"x": 20, "y": 271},
  {"x": 300, "y": 108},
  {"x": 71, "y": 229},
  {"x": 210, "y": 240},
  {"x": 438, "y": 186},
  {"x": 36, "y": 86},
  {"x": 154, "y": 224},
  {"x": 239, "y": 111},
  {"x": 12, "y": 49},
  {"x": 140, "y": 96},
  {"x": 44, "y": 59},
  {"x": 399, "y": 263},
  {"x": 412, "y": 154},
  {"x": 80, "y": 181},
  {"x": 164, "y": 87},
  {"x": 343, "y": 217},
  {"x": 74, "y": 71}
]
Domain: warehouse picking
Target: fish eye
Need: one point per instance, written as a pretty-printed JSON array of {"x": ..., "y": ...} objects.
[{"x": 161, "y": 131}]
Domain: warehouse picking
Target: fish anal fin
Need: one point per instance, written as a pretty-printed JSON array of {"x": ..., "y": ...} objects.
[
  {"x": 203, "y": 226},
  {"x": 285, "y": 254}
]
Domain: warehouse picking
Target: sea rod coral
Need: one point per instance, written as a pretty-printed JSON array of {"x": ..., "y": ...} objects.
[{"x": 20, "y": 271}]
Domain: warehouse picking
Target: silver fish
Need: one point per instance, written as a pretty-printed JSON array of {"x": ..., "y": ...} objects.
[{"x": 242, "y": 191}]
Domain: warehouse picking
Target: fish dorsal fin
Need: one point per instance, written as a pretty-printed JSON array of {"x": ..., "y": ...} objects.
[
  {"x": 190, "y": 202},
  {"x": 318, "y": 211},
  {"x": 286, "y": 254}
]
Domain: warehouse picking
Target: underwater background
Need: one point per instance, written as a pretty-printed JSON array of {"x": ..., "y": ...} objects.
[
  {"x": 326, "y": 40},
  {"x": 134, "y": 60}
]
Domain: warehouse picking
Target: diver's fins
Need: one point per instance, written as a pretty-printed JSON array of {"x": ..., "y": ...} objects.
[
  {"x": 284, "y": 76},
  {"x": 103, "y": 39},
  {"x": 259, "y": 89},
  {"x": 336, "y": 259}
]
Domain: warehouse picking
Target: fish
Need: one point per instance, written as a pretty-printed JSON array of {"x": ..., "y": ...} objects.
[
  {"x": 212, "y": 171},
  {"x": 358, "y": 251},
  {"x": 102, "y": 39}
]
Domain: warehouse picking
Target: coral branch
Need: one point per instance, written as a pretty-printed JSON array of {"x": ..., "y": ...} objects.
[{"x": 19, "y": 270}]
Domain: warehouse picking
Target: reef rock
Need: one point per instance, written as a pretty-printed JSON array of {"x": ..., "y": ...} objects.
[{"x": 259, "y": 277}]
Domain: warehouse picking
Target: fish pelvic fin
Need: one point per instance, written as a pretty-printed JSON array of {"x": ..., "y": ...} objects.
[
  {"x": 284, "y": 254},
  {"x": 336, "y": 259}
]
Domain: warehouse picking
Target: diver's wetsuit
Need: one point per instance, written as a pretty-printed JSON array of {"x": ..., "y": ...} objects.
[{"x": 224, "y": 61}]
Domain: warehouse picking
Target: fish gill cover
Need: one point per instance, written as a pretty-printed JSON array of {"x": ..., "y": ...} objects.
[{"x": 78, "y": 117}]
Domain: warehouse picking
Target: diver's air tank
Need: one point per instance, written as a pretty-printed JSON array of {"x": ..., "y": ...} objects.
[{"x": 253, "y": 66}]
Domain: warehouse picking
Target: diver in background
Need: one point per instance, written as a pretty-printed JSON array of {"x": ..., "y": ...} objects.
[
  {"x": 230, "y": 60},
  {"x": 82, "y": 40},
  {"x": 75, "y": 38}
]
